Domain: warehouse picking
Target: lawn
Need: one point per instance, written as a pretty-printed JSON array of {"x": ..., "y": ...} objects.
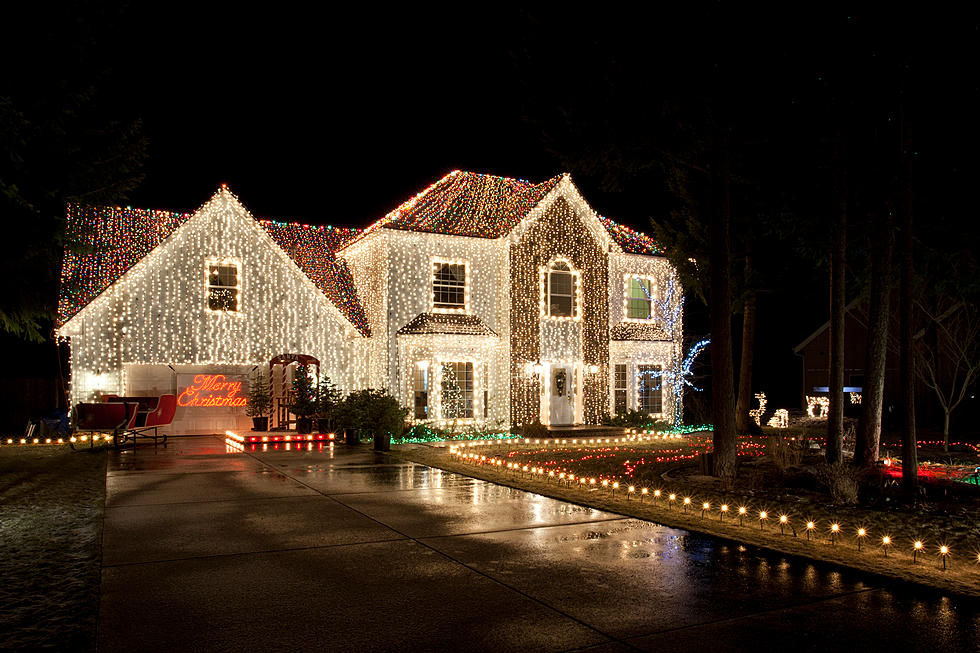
[
  {"x": 944, "y": 515},
  {"x": 52, "y": 502}
]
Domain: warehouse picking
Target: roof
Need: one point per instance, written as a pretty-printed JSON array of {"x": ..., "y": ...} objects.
[
  {"x": 107, "y": 241},
  {"x": 454, "y": 323},
  {"x": 851, "y": 308},
  {"x": 489, "y": 206}
]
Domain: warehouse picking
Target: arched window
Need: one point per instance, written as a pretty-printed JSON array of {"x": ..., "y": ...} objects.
[{"x": 560, "y": 301}]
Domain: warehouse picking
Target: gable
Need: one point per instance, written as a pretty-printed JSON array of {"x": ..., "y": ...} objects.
[{"x": 106, "y": 243}]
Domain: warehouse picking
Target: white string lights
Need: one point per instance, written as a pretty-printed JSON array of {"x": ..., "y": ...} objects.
[{"x": 505, "y": 235}]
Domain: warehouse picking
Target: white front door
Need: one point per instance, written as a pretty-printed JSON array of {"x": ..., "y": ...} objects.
[{"x": 562, "y": 393}]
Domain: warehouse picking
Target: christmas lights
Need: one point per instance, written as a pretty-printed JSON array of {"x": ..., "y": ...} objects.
[
  {"x": 468, "y": 272},
  {"x": 817, "y": 407}
]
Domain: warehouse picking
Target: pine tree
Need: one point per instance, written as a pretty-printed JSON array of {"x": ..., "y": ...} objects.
[
  {"x": 452, "y": 394},
  {"x": 304, "y": 397}
]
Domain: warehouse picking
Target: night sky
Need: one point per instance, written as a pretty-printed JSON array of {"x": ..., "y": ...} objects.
[{"x": 336, "y": 114}]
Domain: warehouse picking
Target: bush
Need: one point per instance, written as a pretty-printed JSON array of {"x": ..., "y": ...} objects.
[
  {"x": 370, "y": 411},
  {"x": 631, "y": 419},
  {"x": 534, "y": 429},
  {"x": 783, "y": 452},
  {"x": 842, "y": 481}
]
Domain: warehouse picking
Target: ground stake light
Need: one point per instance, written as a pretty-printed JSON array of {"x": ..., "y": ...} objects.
[
  {"x": 916, "y": 547},
  {"x": 704, "y": 508},
  {"x": 741, "y": 514},
  {"x": 885, "y": 541},
  {"x": 809, "y": 529},
  {"x": 944, "y": 552},
  {"x": 687, "y": 502},
  {"x": 834, "y": 530},
  {"x": 721, "y": 513},
  {"x": 763, "y": 516},
  {"x": 861, "y": 534},
  {"x": 783, "y": 519}
]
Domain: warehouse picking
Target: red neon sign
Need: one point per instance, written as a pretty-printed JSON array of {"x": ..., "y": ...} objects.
[{"x": 212, "y": 390}]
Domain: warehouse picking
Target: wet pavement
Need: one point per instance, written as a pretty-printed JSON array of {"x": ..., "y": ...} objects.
[{"x": 206, "y": 547}]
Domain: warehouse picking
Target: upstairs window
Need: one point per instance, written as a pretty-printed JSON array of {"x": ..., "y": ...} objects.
[
  {"x": 448, "y": 286},
  {"x": 560, "y": 283},
  {"x": 639, "y": 298},
  {"x": 223, "y": 286}
]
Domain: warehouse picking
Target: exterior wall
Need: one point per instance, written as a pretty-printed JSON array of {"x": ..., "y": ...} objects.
[
  {"x": 368, "y": 263},
  {"x": 559, "y": 232},
  {"x": 157, "y": 315},
  {"x": 409, "y": 280},
  {"x": 642, "y": 352}
]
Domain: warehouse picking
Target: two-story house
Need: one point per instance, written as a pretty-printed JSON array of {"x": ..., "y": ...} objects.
[{"x": 482, "y": 299}]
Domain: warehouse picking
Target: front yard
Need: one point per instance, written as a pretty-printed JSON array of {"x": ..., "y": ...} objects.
[{"x": 51, "y": 505}]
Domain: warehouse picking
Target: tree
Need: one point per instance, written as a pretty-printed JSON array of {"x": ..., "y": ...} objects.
[
  {"x": 868, "y": 439},
  {"x": 259, "y": 397},
  {"x": 304, "y": 394},
  {"x": 452, "y": 395},
  {"x": 838, "y": 290},
  {"x": 743, "y": 423},
  {"x": 63, "y": 141},
  {"x": 948, "y": 353},
  {"x": 722, "y": 370}
]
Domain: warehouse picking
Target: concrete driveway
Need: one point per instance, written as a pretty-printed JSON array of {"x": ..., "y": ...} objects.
[{"x": 209, "y": 548}]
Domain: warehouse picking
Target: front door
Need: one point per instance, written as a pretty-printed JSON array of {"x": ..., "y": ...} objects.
[{"x": 562, "y": 393}]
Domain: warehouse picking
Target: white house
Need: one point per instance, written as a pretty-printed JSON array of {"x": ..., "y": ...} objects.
[{"x": 482, "y": 299}]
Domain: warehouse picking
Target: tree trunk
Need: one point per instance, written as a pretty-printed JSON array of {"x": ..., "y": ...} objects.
[
  {"x": 722, "y": 381},
  {"x": 745, "y": 395},
  {"x": 869, "y": 428},
  {"x": 946, "y": 431},
  {"x": 910, "y": 462},
  {"x": 838, "y": 254}
]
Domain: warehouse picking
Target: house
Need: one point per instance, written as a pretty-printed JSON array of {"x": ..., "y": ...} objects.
[
  {"x": 482, "y": 300},
  {"x": 815, "y": 352}
]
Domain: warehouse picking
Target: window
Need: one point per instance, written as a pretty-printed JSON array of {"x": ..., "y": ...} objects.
[
  {"x": 619, "y": 390},
  {"x": 421, "y": 390},
  {"x": 223, "y": 286},
  {"x": 648, "y": 389},
  {"x": 639, "y": 298},
  {"x": 448, "y": 286},
  {"x": 457, "y": 390},
  {"x": 561, "y": 291}
]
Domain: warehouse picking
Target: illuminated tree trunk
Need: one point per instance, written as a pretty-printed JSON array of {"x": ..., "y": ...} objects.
[
  {"x": 869, "y": 427},
  {"x": 745, "y": 395},
  {"x": 838, "y": 253},
  {"x": 722, "y": 381}
]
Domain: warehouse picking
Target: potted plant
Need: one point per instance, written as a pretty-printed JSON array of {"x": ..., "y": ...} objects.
[
  {"x": 304, "y": 399},
  {"x": 328, "y": 397},
  {"x": 259, "y": 401}
]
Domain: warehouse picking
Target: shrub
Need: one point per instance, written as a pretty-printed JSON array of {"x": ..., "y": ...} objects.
[
  {"x": 842, "y": 481},
  {"x": 370, "y": 411},
  {"x": 632, "y": 419},
  {"x": 783, "y": 452},
  {"x": 258, "y": 396},
  {"x": 533, "y": 429}
]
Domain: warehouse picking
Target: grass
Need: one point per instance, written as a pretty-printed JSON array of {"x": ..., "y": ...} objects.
[{"x": 51, "y": 526}]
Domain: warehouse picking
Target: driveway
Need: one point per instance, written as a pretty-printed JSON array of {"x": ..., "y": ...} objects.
[{"x": 206, "y": 547}]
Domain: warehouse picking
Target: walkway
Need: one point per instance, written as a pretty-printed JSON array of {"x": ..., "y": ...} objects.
[{"x": 207, "y": 548}]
